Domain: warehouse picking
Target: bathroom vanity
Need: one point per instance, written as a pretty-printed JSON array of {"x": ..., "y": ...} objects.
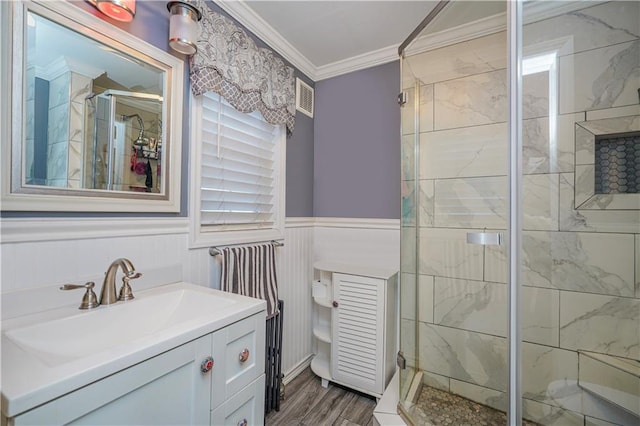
[{"x": 176, "y": 354}]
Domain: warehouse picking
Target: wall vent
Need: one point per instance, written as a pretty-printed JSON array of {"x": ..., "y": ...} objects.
[{"x": 304, "y": 98}]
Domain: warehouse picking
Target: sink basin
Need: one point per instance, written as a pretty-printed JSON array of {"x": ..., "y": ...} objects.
[{"x": 63, "y": 340}]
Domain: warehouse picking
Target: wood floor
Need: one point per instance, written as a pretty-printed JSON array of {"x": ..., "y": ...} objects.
[{"x": 308, "y": 403}]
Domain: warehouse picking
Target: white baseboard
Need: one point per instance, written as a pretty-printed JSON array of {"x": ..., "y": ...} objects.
[{"x": 295, "y": 371}]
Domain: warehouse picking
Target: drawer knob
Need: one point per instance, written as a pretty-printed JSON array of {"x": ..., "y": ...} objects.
[
  {"x": 335, "y": 304},
  {"x": 244, "y": 356},
  {"x": 206, "y": 365},
  {"x": 243, "y": 422}
]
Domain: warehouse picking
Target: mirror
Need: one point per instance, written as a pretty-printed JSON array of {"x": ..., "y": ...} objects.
[{"x": 95, "y": 114}]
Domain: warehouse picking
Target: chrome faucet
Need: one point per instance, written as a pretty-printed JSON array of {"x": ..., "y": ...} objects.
[{"x": 108, "y": 293}]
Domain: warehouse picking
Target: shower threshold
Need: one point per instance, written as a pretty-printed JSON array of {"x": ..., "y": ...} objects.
[{"x": 435, "y": 407}]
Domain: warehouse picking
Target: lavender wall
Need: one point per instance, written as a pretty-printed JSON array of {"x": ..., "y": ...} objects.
[{"x": 357, "y": 144}]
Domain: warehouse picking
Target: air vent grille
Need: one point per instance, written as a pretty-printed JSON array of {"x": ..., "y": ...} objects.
[{"x": 304, "y": 98}]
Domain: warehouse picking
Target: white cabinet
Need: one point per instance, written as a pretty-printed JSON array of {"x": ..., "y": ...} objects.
[
  {"x": 355, "y": 326},
  {"x": 171, "y": 388}
]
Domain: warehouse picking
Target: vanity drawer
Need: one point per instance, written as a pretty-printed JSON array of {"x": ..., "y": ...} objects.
[
  {"x": 243, "y": 409},
  {"x": 240, "y": 349}
]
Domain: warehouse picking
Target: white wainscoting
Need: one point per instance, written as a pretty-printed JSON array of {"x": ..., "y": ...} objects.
[{"x": 37, "y": 256}]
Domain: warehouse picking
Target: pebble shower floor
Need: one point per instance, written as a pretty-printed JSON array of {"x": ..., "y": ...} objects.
[{"x": 436, "y": 407}]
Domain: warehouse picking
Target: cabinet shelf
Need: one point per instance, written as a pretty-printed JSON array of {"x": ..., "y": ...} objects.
[
  {"x": 322, "y": 302},
  {"x": 322, "y": 333},
  {"x": 320, "y": 366}
]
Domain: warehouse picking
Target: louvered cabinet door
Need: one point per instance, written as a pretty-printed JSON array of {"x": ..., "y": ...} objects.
[{"x": 358, "y": 332}]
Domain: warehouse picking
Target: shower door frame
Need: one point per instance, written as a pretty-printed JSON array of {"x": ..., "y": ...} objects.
[{"x": 514, "y": 178}]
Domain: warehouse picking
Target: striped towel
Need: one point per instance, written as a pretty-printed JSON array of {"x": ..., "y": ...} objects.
[{"x": 251, "y": 271}]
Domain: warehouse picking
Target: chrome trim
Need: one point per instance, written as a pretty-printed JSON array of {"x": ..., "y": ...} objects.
[
  {"x": 185, "y": 9},
  {"x": 422, "y": 25},
  {"x": 514, "y": 69},
  {"x": 485, "y": 238},
  {"x": 183, "y": 41},
  {"x": 118, "y": 3}
]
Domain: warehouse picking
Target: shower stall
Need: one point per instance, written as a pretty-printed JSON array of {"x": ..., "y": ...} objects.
[
  {"x": 520, "y": 244},
  {"x": 123, "y": 141}
]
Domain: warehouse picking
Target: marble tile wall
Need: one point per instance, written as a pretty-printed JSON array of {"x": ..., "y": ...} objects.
[{"x": 581, "y": 268}]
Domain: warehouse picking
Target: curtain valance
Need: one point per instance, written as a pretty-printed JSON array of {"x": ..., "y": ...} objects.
[{"x": 250, "y": 78}]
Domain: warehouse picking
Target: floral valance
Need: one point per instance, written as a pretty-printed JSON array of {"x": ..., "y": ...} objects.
[{"x": 250, "y": 78}]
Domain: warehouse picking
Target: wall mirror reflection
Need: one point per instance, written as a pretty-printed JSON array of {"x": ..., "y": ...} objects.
[{"x": 94, "y": 115}]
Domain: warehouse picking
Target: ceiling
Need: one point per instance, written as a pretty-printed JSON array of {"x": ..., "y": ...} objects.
[{"x": 326, "y": 38}]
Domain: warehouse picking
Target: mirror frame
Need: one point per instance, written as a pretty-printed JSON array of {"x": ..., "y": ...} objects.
[{"x": 15, "y": 196}]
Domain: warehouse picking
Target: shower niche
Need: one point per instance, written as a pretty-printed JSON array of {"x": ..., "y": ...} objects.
[{"x": 607, "y": 167}]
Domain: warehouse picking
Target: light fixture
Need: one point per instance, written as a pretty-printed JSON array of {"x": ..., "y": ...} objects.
[
  {"x": 183, "y": 27},
  {"x": 120, "y": 10}
]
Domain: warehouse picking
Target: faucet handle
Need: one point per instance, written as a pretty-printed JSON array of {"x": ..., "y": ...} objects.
[
  {"x": 125, "y": 290},
  {"x": 89, "y": 300}
]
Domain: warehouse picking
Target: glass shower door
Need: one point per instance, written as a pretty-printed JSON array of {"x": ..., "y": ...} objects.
[{"x": 454, "y": 291}]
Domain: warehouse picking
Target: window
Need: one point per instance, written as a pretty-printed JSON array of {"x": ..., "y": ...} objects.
[{"x": 238, "y": 175}]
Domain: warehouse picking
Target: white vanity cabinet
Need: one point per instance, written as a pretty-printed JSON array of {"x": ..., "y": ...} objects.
[
  {"x": 355, "y": 325},
  {"x": 172, "y": 388}
]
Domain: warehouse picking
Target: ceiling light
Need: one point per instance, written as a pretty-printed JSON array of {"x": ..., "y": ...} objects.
[
  {"x": 120, "y": 10},
  {"x": 183, "y": 27}
]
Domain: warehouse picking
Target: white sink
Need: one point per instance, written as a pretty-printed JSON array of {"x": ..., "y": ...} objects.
[
  {"x": 60, "y": 341},
  {"x": 51, "y": 353}
]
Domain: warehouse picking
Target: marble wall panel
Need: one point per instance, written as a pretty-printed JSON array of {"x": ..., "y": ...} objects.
[
  {"x": 423, "y": 295},
  {"x": 600, "y": 114},
  {"x": 548, "y": 374},
  {"x": 408, "y": 259},
  {"x": 600, "y": 78},
  {"x": 466, "y": 152},
  {"x": 445, "y": 253},
  {"x": 598, "y": 323},
  {"x": 540, "y": 198},
  {"x": 620, "y": 221},
  {"x": 59, "y": 90},
  {"x": 549, "y": 415},
  {"x": 592, "y": 421},
  {"x": 471, "y": 101},
  {"x": 436, "y": 381},
  {"x": 81, "y": 87},
  {"x": 408, "y": 152},
  {"x": 408, "y": 208},
  {"x": 540, "y": 315},
  {"x": 535, "y": 95},
  {"x": 427, "y": 194},
  {"x": 58, "y": 124},
  {"x": 74, "y": 170},
  {"x": 489, "y": 397},
  {"x": 471, "y": 57},
  {"x": 471, "y": 305},
  {"x": 544, "y": 152},
  {"x": 471, "y": 203},
  {"x": 495, "y": 261},
  {"x": 425, "y": 114},
  {"x": 470, "y": 357},
  {"x": 586, "y": 262},
  {"x": 76, "y": 122},
  {"x": 588, "y": 28},
  {"x": 57, "y": 159}
]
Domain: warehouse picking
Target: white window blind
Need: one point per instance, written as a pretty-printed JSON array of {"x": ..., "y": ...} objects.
[{"x": 240, "y": 168}]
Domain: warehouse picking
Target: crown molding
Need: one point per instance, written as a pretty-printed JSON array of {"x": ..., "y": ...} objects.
[
  {"x": 258, "y": 26},
  {"x": 359, "y": 62},
  {"x": 253, "y": 22},
  {"x": 492, "y": 24}
]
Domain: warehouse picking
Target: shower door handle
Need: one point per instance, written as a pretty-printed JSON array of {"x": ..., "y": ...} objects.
[{"x": 485, "y": 238}]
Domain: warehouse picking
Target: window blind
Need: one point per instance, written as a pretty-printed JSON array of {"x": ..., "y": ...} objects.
[{"x": 238, "y": 167}]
